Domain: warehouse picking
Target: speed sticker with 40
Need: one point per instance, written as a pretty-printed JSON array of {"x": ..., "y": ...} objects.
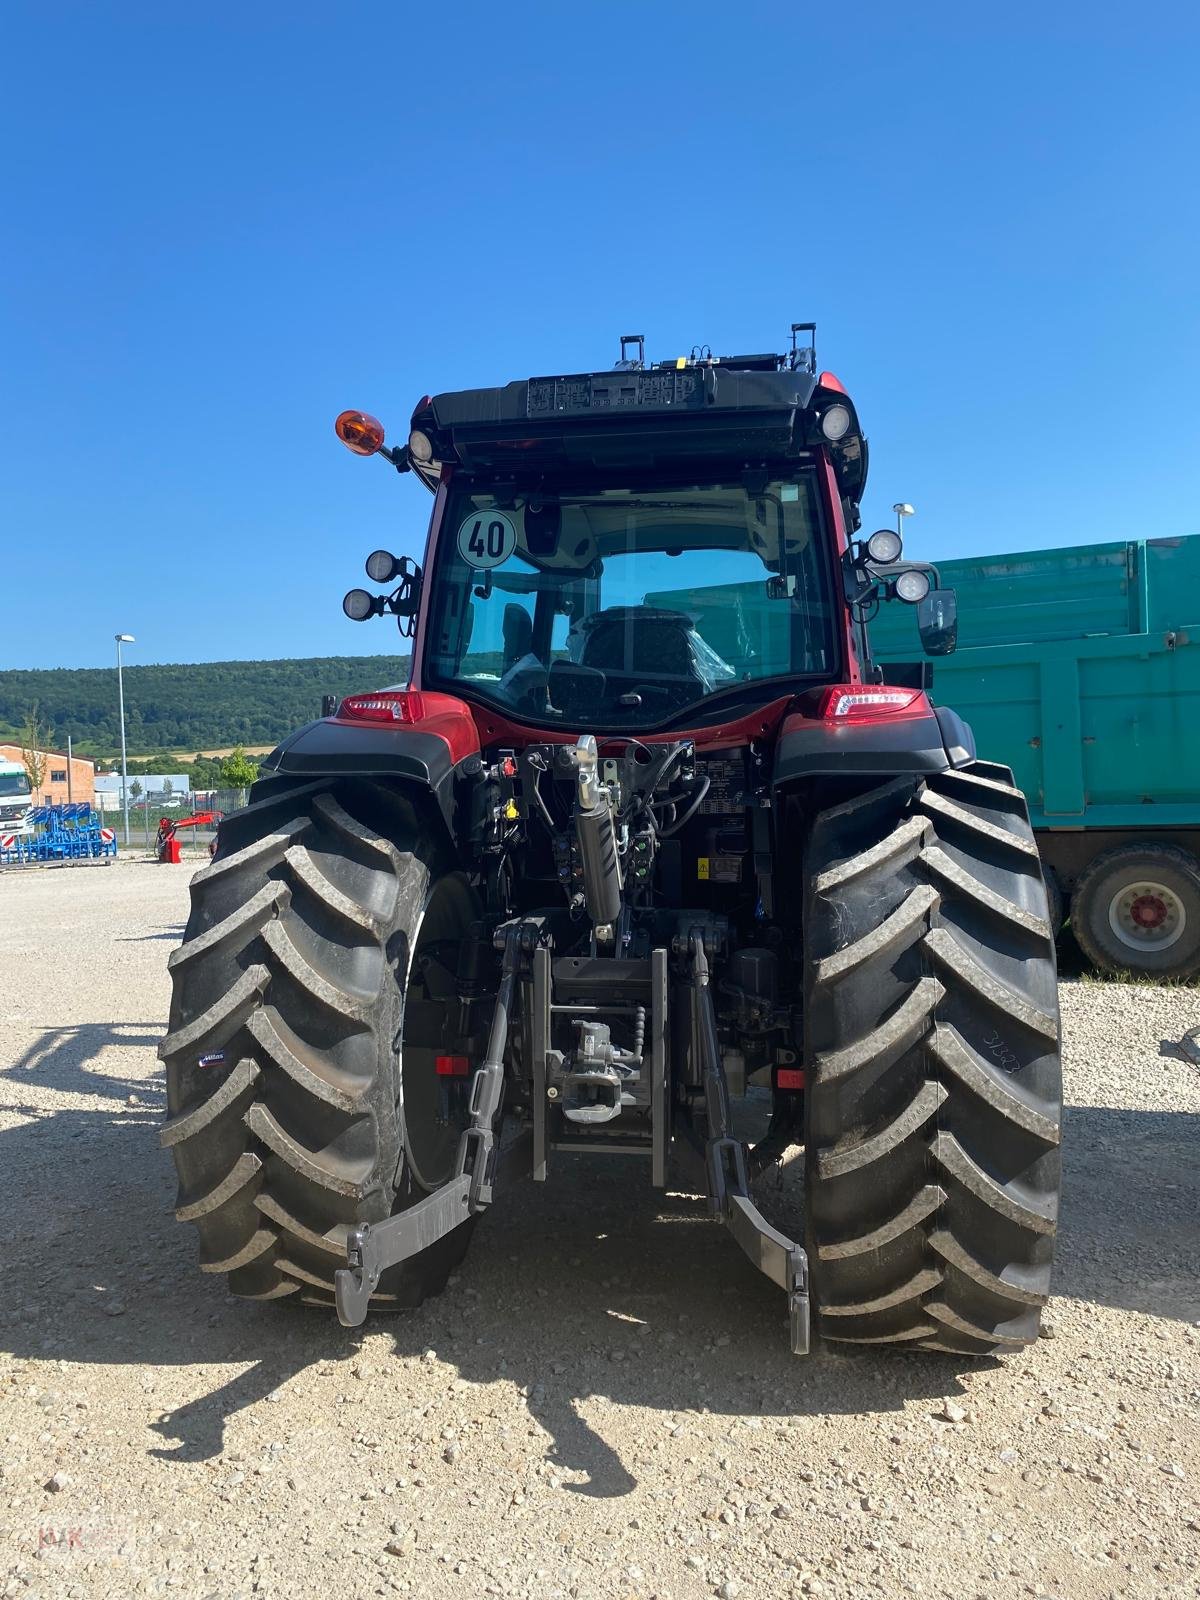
[{"x": 486, "y": 539}]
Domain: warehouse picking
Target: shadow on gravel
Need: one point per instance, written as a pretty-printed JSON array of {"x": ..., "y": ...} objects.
[
  {"x": 584, "y": 1296},
  {"x": 60, "y": 1058},
  {"x": 585, "y": 1293},
  {"x": 173, "y": 934},
  {"x": 1129, "y": 1233}
]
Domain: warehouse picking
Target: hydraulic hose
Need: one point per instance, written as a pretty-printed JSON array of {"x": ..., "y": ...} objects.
[{"x": 702, "y": 789}]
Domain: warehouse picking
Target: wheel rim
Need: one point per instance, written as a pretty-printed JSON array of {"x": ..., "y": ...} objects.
[
  {"x": 1147, "y": 916},
  {"x": 433, "y": 1109}
]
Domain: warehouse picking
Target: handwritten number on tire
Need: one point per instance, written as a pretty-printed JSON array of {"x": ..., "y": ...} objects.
[{"x": 1000, "y": 1053}]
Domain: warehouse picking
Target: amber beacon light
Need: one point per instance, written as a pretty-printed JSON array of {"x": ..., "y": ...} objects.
[{"x": 359, "y": 432}]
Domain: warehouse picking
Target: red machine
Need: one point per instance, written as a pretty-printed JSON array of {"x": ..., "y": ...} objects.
[
  {"x": 167, "y": 846},
  {"x": 646, "y": 833}
]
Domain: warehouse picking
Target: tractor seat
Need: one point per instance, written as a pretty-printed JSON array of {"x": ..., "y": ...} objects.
[
  {"x": 639, "y": 639},
  {"x": 643, "y": 650}
]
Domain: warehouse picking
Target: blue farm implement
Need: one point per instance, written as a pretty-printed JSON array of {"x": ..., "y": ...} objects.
[{"x": 59, "y": 833}]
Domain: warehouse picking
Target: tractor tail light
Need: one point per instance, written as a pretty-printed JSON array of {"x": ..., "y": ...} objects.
[
  {"x": 450, "y": 1066},
  {"x": 862, "y": 702},
  {"x": 399, "y": 705},
  {"x": 789, "y": 1078}
]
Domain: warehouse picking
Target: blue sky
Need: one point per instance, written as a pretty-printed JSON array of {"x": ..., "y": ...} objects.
[{"x": 221, "y": 225}]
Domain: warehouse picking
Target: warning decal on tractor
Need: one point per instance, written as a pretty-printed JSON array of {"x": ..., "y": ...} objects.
[{"x": 487, "y": 538}]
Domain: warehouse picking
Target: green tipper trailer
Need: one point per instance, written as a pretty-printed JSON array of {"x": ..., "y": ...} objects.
[{"x": 1080, "y": 669}]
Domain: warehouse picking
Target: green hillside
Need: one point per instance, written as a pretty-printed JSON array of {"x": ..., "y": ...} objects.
[{"x": 189, "y": 708}]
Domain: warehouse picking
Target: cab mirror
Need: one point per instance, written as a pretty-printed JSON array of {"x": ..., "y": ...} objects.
[{"x": 937, "y": 622}]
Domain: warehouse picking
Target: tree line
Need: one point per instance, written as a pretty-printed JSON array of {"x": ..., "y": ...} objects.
[{"x": 183, "y": 707}]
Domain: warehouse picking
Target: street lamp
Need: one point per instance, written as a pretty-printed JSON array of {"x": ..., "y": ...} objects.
[
  {"x": 902, "y": 510},
  {"x": 123, "y": 638}
]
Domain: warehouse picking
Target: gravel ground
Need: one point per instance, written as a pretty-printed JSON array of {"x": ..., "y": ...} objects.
[{"x": 602, "y": 1404}]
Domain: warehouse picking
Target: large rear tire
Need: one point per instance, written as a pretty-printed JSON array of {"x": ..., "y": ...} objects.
[
  {"x": 301, "y": 1093},
  {"x": 934, "y": 1078}
]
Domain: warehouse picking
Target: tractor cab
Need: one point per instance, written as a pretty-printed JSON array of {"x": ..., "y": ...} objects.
[{"x": 641, "y": 550}]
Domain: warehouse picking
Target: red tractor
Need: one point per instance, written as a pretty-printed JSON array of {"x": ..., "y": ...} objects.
[{"x": 645, "y": 835}]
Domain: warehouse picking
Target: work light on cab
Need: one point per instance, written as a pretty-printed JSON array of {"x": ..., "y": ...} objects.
[
  {"x": 420, "y": 447},
  {"x": 382, "y": 566},
  {"x": 912, "y": 586},
  {"x": 884, "y": 547},
  {"x": 835, "y": 424},
  {"x": 359, "y": 432},
  {"x": 359, "y": 605}
]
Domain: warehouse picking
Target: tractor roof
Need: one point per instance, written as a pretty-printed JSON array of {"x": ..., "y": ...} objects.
[{"x": 746, "y": 409}]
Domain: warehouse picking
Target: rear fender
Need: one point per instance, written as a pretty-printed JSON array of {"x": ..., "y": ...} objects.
[
  {"x": 812, "y": 747},
  {"x": 424, "y": 758}
]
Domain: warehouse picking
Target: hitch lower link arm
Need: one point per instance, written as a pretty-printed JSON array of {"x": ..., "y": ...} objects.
[
  {"x": 783, "y": 1260},
  {"x": 374, "y": 1247}
]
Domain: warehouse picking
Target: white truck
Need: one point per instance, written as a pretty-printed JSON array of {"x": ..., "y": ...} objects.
[{"x": 15, "y": 798}]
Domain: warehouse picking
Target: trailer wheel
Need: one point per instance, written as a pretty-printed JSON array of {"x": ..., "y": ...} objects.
[
  {"x": 1137, "y": 909},
  {"x": 301, "y": 1089},
  {"x": 932, "y": 1053}
]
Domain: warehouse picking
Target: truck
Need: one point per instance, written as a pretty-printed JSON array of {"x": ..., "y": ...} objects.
[
  {"x": 594, "y": 885},
  {"x": 16, "y": 798},
  {"x": 1079, "y": 667}
]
